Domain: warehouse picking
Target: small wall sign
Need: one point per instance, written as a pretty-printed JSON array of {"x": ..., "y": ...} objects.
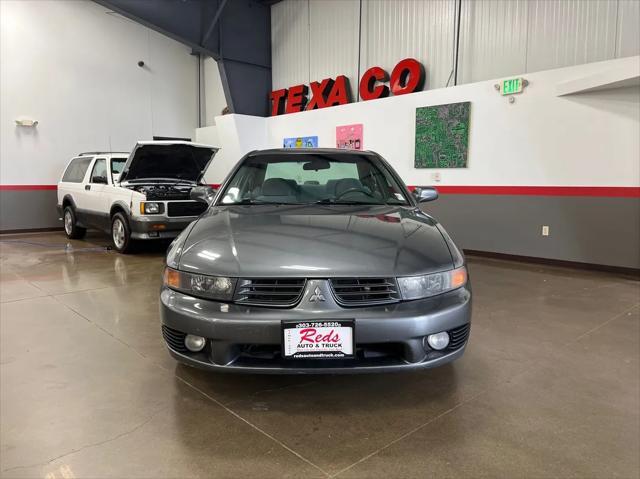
[
  {"x": 512, "y": 86},
  {"x": 349, "y": 137},
  {"x": 300, "y": 142}
]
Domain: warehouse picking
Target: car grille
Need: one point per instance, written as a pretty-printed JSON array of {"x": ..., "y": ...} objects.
[
  {"x": 365, "y": 291},
  {"x": 175, "y": 339},
  {"x": 458, "y": 336},
  {"x": 281, "y": 292},
  {"x": 185, "y": 208}
]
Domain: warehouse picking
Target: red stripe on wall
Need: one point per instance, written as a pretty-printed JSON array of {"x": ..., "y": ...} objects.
[
  {"x": 27, "y": 187},
  {"x": 597, "y": 191}
]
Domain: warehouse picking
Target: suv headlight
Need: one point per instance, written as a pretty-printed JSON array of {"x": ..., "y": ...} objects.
[
  {"x": 205, "y": 286},
  {"x": 416, "y": 287},
  {"x": 151, "y": 208}
]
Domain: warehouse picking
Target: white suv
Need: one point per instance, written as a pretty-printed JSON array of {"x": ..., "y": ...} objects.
[{"x": 138, "y": 196}]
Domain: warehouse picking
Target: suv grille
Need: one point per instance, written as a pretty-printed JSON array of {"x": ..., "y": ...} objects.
[
  {"x": 364, "y": 291},
  {"x": 281, "y": 292},
  {"x": 185, "y": 208}
]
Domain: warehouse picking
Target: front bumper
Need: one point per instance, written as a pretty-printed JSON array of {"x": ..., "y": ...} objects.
[
  {"x": 158, "y": 226},
  {"x": 248, "y": 338}
]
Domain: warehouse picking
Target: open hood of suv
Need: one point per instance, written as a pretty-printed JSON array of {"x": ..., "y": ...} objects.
[{"x": 168, "y": 160}]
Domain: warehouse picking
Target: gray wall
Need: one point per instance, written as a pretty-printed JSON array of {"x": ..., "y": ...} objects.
[
  {"x": 30, "y": 209},
  {"x": 584, "y": 229}
]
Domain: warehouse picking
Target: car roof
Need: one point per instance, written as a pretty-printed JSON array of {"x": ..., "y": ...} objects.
[
  {"x": 317, "y": 151},
  {"x": 89, "y": 154}
]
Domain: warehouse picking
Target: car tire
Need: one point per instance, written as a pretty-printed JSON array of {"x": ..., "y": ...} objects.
[
  {"x": 121, "y": 234},
  {"x": 71, "y": 228}
]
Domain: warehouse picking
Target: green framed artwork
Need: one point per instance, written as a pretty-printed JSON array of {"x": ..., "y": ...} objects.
[{"x": 442, "y": 135}]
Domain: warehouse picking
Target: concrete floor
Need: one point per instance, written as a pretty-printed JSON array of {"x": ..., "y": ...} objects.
[{"x": 548, "y": 387}]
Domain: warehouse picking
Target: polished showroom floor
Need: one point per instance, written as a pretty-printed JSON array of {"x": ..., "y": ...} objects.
[{"x": 548, "y": 387}]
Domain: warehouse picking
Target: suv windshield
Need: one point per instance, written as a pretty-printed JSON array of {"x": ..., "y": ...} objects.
[
  {"x": 116, "y": 167},
  {"x": 313, "y": 178}
]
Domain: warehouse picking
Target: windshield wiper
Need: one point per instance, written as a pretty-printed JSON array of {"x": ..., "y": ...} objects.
[
  {"x": 258, "y": 202},
  {"x": 331, "y": 201}
]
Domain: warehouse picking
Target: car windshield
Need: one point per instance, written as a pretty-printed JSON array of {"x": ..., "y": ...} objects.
[
  {"x": 313, "y": 178},
  {"x": 116, "y": 167}
]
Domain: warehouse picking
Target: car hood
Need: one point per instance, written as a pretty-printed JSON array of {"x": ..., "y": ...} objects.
[
  {"x": 318, "y": 241},
  {"x": 179, "y": 160}
]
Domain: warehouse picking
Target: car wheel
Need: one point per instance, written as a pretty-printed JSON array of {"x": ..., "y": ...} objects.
[
  {"x": 121, "y": 234},
  {"x": 71, "y": 228}
]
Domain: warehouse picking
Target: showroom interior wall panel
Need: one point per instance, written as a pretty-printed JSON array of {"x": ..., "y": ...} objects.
[
  {"x": 493, "y": 39},
  {"x": 394, "y": 30},
  {"x": 498, "y": 38},
  {"x": 333, "y": 40},
  {"x": 570, "y": 33},
  {"x": 290, "y": 32},
  {"x": 628, "y": 37},
  {"x": 72, "y": 66}
]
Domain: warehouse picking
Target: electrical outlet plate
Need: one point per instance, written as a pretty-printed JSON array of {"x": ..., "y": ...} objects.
[{"x": 545, "y": 231}]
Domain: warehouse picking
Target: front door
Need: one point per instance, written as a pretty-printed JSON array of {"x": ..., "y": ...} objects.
[{"x": 95, "y": 198}]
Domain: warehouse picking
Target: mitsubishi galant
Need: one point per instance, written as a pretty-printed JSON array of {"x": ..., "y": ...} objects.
[{"x": 315, "y": 261}]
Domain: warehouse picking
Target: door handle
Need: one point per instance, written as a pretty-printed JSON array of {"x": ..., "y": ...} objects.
[{"x": 87, "y": 187}]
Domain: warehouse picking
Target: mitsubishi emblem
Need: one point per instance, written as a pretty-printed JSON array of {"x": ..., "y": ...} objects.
[{"x": 317, "y": 295}]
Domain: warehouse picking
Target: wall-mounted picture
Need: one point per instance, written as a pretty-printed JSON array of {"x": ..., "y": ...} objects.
[
  {"x": 349, "y": 137},
  {"x": 300, "y": 142},
  {"x": 442, "y": 136}
]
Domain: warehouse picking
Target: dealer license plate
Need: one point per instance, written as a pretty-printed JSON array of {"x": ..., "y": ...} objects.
[{"x": 326, "y": 339}]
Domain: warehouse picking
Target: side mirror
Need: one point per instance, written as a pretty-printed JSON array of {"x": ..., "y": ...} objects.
[
  {"x": 425, "y": 193},
  {"x": 101, "y": 180},
  {"x": 203, "y": 194}
]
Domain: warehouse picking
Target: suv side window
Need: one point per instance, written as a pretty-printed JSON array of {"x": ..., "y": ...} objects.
[
  {"x": 99, "y": 172},
  {"x": 76, "y": 170}
]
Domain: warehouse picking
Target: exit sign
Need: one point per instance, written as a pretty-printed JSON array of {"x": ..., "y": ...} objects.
[{"x": 511, "y": 86}]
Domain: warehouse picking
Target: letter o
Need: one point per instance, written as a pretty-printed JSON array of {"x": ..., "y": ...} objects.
[{"x": 407, "y": 77}]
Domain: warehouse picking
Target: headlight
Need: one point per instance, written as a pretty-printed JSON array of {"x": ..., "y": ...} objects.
[
  {"x": 205, "y": 286},
  {"x": 151, "y": 208},
  {"x": 415, "y": 287}
]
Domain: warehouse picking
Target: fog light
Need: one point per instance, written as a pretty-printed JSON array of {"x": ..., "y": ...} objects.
[
  {"x": 196, "y": 343},
  {"x": 438, "y": 341}
]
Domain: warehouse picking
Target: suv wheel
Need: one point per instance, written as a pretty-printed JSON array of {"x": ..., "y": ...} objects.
[
  {"x": 71, "y": 228},
  {"x": 121, "y": 233}
]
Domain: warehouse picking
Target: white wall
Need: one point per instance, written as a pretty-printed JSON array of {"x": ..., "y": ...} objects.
[
  {"x": 73, "y": 67},
  {"x": 235, "y": 135},
  {"x": 316, "y": 39},
  {"x": 588, "y": 139}
]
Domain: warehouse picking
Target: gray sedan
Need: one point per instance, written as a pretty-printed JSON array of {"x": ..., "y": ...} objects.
[{"x": 315, "y": 261}]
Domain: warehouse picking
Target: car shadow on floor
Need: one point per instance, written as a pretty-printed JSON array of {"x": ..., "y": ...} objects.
[{"x": 329, "y": 394}]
